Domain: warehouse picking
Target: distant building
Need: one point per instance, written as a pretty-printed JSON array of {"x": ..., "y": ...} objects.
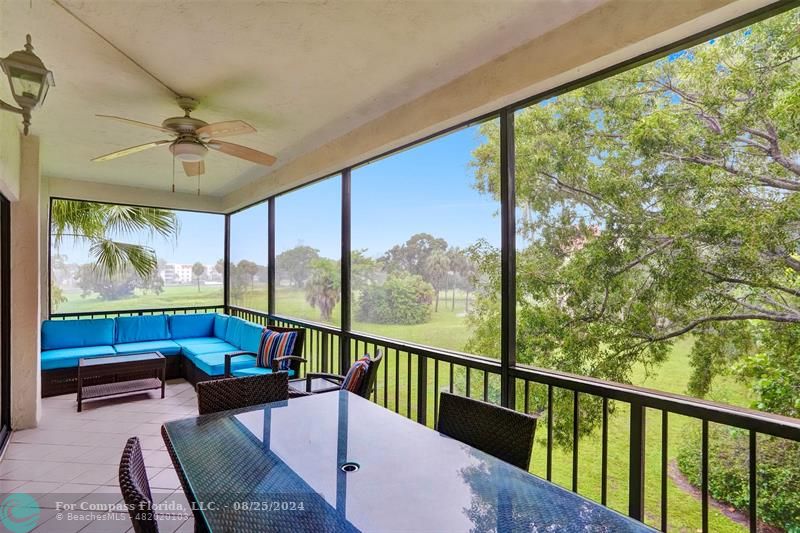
[{"x": 181, "y": 274}]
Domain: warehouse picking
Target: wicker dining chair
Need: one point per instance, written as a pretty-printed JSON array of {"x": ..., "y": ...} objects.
[
  {"x": 365, "y": 385},
  {"x": 135, "y": 488},
  {"x": 498, "y": 431},
  {"x": 234, "y": 393}
]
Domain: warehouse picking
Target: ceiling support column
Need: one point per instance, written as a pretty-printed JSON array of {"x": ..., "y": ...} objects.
[{"x": 26, "y": 289}]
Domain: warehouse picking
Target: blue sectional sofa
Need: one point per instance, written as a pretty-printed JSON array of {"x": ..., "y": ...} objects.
[{"x": 194, "y": 345}]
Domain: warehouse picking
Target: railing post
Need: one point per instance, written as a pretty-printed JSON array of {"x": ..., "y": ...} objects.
[
  {"x": 422, "y": 389},
  {"x": 325, "y": 352},
  {"x": 508, "y": 279},
  {"x": 636, "y": 472}
]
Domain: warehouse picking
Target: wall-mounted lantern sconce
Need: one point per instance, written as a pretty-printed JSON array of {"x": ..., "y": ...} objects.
[{"x": 30, "y": 80}]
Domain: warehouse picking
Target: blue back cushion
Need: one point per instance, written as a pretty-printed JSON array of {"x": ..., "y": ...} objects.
[
  {"x": 220, "y": 326},
  {"x": 142, "y": 328},
  {"x": 58, "y": 334},
  {"x": 187, "y": 326},
  {"x": 251, "y": 337},
  {"x": 354, "y": 379},
  {"x": 233, "y": 334}
]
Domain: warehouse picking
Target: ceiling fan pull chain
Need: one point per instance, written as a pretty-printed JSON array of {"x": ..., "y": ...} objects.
[{"x": 173, "y": 173}]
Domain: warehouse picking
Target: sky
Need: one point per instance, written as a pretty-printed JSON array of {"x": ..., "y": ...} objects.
[{"x": 427, "y": 188}]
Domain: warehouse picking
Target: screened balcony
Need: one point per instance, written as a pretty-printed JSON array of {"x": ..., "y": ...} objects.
[{"x": 615, "y": 254}]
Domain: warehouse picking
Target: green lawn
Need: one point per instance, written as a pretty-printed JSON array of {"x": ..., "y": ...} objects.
[
  {"x": 173, "y": 296},
  {"x": 447, "y": 329}
]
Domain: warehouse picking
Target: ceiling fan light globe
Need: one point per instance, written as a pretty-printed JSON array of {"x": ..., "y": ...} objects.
[{"x": 190, "y": 152}]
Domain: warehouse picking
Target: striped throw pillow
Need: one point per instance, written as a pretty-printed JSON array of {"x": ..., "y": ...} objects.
[
  {"x": 354, "y": 379},
  {"x": 275, "y": 344}
]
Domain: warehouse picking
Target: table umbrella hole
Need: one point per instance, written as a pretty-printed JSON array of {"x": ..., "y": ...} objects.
[{"x": 350, "y": 467}]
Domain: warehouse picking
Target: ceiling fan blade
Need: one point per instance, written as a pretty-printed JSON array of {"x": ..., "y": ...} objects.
[
  {"x": 131, "y": 150},
  {"x": 242, "y": 152},
  {"x": 225, "y": 129},
  {"x": 194, "y": 168},
  {"x": 137, "y": 123}
]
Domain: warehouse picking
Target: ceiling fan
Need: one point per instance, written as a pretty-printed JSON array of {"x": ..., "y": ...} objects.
[{"x": 192, "y": 137}]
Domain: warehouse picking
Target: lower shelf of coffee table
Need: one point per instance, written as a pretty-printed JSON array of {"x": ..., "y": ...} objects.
[{"x": 120, "y": 387}]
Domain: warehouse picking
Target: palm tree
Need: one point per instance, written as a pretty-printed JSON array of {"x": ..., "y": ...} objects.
[
  {"x": 198, "y": 269},
  {"x": 323, "y": 287},
  {"x": 101, "y": 224}
]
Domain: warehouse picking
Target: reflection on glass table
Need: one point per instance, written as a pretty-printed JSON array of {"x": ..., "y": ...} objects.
[
  {"x": 315, "y": 385},
  {"x": 337, "y": 462}
]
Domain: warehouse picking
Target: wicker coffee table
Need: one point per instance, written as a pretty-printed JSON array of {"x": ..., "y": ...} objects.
[{"x": 99, "y": 377}]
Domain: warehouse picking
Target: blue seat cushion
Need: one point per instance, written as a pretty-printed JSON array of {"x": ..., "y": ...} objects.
[
  {"x": 57, "y": 334},
  {"x": 166, "y": 347},
  {"x": 188, "y": 326},
  {"x": 213, "y": 364},
  {"x": 141, "y": 328},
  {"x": 68, "y": 357},
  {"x": 198, "y": 341},
  {"x": 220, "y": 325},
  {"x": 255, "y": 371},
  {"x": 196, "y": 350}
]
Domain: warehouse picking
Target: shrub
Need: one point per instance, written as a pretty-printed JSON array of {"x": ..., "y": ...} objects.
[
  {"x": 778, "y": 473},
  {"x": 402, "y": 299}
]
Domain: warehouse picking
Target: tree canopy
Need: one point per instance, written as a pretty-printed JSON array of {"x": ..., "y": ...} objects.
[{"x": 659, "y": 203}]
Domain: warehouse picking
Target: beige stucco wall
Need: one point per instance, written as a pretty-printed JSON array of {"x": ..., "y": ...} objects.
[
  {"x": 103, "y": 192},
  {"x": 9, "y": 155},
  {"x": 26, "y": 282},
  {"x": 615, "y": 31}
]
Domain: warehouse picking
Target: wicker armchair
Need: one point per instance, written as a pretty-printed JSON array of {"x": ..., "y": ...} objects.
[
  {"x": 295, "y": 359},
  {"x": 234, "y": 393},
  {"x": 501, "y": 432},
  {"x": 367, "y": 384},
  {"x": 135, "y": 488}
]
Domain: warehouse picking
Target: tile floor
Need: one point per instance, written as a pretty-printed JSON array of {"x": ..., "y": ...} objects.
[{"x": 74, "y": 458}]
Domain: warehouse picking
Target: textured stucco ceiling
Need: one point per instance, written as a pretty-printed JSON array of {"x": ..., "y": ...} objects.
[{"x": 303, "y": 73}]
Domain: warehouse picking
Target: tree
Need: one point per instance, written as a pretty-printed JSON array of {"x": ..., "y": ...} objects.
[
  {"x": 436, "y": 268},
  {"x": 120, "y": 285},
  {"x": 295, "y": 263},
  {"x": 364, "y": 270},
  {"x": 656, "y": 204},
  {"x": 247, "y": 271},
  {"x": 402, "y": 299},
  {"x": 463, "y": 269},
  {"x": 412, "y": 255},
  {"x": 198, "y": 269},
  {"x": 219, "y": 267},
  {"x": 324, "y": 288},
  {"x": 100, "y": 225}
]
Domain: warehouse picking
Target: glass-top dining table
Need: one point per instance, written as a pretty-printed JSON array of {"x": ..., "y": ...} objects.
[{"x": 337, "y": 462}]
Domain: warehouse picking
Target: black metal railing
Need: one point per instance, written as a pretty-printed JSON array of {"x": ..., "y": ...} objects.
[
  {"x": 412, "y": 376},
  {"x": 139, "y": 312}
]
